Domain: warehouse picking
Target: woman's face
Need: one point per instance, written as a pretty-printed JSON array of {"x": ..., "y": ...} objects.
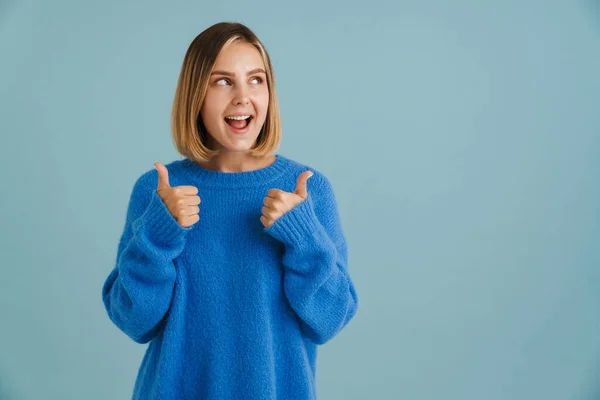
[{"x": 237, "y": 86}]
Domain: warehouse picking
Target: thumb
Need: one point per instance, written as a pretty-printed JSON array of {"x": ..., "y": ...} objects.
[
  {"x": 301, "y": 184},
  {"x": 163, "y": 176}
]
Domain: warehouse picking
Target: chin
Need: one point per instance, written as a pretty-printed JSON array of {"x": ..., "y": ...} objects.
[{"x": 241, "y": 145}]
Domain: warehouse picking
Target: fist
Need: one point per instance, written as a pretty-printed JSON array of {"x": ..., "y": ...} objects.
[
  {"x": 278, "y": 202},
  {"x": 181, "y": 201}
]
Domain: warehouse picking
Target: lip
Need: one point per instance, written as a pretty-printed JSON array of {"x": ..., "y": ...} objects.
[
  {"x": 241, "y": 131},
  {"x": 239, "y": 114}
]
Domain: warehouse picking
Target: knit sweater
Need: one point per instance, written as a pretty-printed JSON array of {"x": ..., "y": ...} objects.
[{"x": 231, "y": 309}]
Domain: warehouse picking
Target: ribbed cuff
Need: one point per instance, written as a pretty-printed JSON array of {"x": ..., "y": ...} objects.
[
  {"x": 300, "y": 227},
  {"x": 160, "y": 224}
]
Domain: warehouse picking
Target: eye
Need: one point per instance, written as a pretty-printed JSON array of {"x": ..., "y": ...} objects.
[
  {"x": 222, "y": 79},
  {"x": 260, "y": 80}
]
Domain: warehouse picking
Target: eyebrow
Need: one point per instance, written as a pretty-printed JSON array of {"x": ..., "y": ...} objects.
[{"x": 254, "y": 71}]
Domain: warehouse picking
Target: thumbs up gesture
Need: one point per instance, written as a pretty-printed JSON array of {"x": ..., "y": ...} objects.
[
  {"x": 278, "y": 202},
  {"x": 181, "y": 201}
]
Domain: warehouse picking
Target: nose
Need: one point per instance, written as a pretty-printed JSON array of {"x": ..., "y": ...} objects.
[{"x": 242, "y": 97}]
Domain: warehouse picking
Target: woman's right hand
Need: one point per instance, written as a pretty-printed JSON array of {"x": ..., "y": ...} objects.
[{"x": 181, "y": 201}]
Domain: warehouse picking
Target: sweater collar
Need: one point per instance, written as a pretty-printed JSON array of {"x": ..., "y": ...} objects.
[{"x": 234, "y": 180}]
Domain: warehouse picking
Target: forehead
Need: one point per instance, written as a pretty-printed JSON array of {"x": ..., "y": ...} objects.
[{"x": 240, "y": 56}]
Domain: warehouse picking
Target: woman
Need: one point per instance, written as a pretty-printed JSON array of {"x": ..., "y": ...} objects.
[{"x": 232, "y": 299}]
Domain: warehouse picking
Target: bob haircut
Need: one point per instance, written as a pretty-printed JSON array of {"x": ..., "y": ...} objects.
[{"x": 188, "y": 130}]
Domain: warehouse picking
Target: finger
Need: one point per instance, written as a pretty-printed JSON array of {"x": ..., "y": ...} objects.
[
  {"x": 192, "y": 200},
  {"x": 273, "y": 193},
  {"x": 188, "y": 190},
  {"x": 264, "y": 221},
  {"x": 273, "y": 205},
  {"x": 301, "y": 184},
  {"x": 163, "y": 176},
  {"x": 269, "y": 212},
  {"x": 193, "y": 210},
  {"x": 268, "y": 201},
  {"x": 189, "y": 221}
]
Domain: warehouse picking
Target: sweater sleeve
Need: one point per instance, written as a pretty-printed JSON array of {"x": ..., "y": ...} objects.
[
  {"x": 316, "y": 279},
  {"x": 138, "y": 291}
]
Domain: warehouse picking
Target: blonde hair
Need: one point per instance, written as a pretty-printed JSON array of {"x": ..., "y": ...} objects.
[{"x": 188, "y": 131}]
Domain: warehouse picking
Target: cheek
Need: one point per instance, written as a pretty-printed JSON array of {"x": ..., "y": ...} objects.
[
  {"x": 263, "y": 100},
  {"x": 210, "y": 113}
]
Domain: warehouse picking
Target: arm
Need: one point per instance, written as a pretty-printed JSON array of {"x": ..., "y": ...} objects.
[
  {"x": 316, "y": 279},
  {"x": 137, "y": 293}
]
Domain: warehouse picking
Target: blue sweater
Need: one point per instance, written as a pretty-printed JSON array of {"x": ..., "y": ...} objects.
[{"x": 231, "y": 309}]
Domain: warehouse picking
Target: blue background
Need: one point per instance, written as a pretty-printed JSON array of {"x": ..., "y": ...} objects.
[{"x": 462, "y": 139}]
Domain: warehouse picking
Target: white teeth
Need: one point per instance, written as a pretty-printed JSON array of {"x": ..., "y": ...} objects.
[{"x": 239, "y": 117}]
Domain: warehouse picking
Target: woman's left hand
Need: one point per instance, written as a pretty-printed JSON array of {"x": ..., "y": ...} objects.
[{"x": 278, "y": 202}]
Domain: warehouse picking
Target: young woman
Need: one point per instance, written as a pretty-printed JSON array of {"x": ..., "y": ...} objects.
[{"x": 232, "y": 265}]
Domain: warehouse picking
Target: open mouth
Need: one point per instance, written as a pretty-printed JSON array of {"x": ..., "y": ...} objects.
[{"x": 238, "y": 123}]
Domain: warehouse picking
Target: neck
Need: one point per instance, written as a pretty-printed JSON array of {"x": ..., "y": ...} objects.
[{"x": 237, "y": 161}]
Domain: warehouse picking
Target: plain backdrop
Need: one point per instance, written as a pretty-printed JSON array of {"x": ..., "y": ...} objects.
[{"x": 462, "y": 139}]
